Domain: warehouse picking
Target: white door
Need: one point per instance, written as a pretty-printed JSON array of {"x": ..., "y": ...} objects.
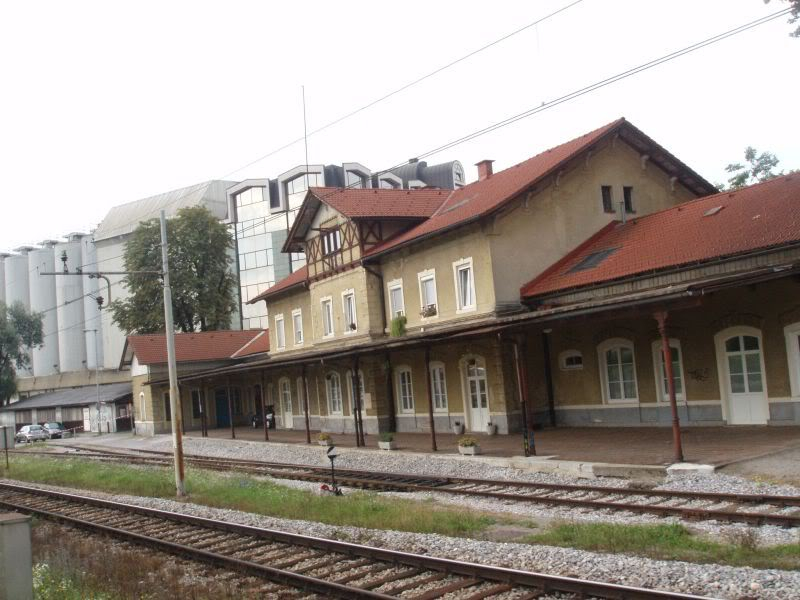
[
  {"x": 286, "y": 403},
  {"x": 744, "y": 379},
  {"x": 87, "y": 419},
  {"x": 477, "y": 396}
]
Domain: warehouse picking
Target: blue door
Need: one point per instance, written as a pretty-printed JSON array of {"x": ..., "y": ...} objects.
[{"x": 223, "y": 415}]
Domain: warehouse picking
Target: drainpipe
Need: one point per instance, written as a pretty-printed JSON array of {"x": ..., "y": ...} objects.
[{"x": 548, "y": 376}]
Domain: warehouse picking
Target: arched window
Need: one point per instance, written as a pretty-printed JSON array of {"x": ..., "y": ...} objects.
[
  {"x": 662, "y": 391},
  {"x": 618, "y": 371},
  {"x": 405, "y": 390},
  {"x": 333, "y": 387},
  {"x": 570, "y": 360},
  {"x": 349, "y": 378},
  {"x": 438, "y": 386}
]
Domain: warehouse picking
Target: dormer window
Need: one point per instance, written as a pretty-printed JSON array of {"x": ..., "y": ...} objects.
[
  {"x": 354, "y": 179},
  {"x": 331, "y": 241},
  {"x": 458, "y": 176}
]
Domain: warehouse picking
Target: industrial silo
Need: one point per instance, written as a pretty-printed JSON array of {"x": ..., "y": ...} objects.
[
  {"x": 93, "y": 288},
  {"x": 3, "y": 256},
  {"x": 69, "y": 296},
  {"x": 43, "y": 300},
  {"x": 16, "y": 284}
]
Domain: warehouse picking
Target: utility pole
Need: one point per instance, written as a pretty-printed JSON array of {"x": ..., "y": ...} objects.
[{"x": 174, "y": 399}]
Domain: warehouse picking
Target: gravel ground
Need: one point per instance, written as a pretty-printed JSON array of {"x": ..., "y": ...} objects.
[
  {"x": 711, "y": 580},
  {"x": 455, "y": 466}
]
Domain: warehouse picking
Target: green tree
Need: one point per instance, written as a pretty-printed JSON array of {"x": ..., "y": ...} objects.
[
  {"x": 199, "y": 268},
  {"x": 757, "y": 168},
  {"x": 795, "y": 15},
  {"x": 20, "y": 332}
]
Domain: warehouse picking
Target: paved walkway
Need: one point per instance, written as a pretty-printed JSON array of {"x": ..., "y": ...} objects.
[{"x": 630, "y": 445}]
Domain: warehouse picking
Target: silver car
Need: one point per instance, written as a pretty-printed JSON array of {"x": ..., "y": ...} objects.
[{"x": 31, "y": 433}]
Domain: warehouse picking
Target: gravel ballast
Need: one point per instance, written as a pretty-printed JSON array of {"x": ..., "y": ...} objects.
[{"x": 704, "y": 579}]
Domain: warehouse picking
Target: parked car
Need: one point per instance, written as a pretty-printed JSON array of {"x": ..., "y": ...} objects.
[
  {"x": 31, "y": 433},
  {"x": 56, "y": 430}
]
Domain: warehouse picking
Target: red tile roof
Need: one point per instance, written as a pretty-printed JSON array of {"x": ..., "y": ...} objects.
[
  {"x": 481, "y": 197},
  {"x": 296, "y": 278},
  {"x": 191, "y": 347},
  {"x": 727, "y": 224},
  {"x": 380, "y": 203},
  {"x": 257, "y": 345}
]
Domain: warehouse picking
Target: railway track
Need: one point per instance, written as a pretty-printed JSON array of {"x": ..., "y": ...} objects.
[
  {"x": 311, "y": 566},
  {"x": 753, "y": 509}
]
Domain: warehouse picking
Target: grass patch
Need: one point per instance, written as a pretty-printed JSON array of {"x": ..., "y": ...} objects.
[
  {"x": 53, "y": 584},
  {"x": 670, "y": 542},
  {"x": 241, "y": 492}
]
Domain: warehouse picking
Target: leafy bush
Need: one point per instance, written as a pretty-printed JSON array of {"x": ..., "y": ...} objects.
[
  {"x": 387, "y": 436},
  {"x": 398, "y": 326},
  {"x": 467, "y": 441},
  {"x": 323, "y": 437}
]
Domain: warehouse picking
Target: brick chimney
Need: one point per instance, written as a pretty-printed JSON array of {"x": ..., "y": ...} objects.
[{"x": 484, "y": 169}]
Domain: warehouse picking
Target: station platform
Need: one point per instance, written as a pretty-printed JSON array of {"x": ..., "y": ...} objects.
[{"x": 717, "y": 446}]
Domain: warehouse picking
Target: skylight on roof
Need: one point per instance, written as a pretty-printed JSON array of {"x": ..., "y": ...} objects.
[
  {"x": 712, "y": 211},
  {"x": 590, "y": 261}
]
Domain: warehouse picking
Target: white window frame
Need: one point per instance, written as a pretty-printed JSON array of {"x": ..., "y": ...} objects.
[
  {"x": 660, "y": 375},
  {"x": 297, "y": 312},
  {"x": 396, "y": 284},
  {"x": 439, "y": 365},
  {"x": 428, "y": 274},
  {"x": 791, "y": 332},
  {"x": 280, "y": 332},
  {"x": 348, "y": 377},
  {"x": 352, "y": 294},
  {"x": 329, "y": 377},
  {"x": 329, "y": 301},
  {"x": 562, "y": 360},
  {"x": 601, "y": 355},
  {"x": 458, "y": 266},
  {"x": 399, "y": 378},
  {"x": 285, "y": 385}
]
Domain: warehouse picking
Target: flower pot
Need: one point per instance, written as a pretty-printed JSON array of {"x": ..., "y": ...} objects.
[
  {"x": 458, "y": 429},
  {"x": 469, "y": 450},
  {"x": 324, "y": 442},
  {"x": 491, "y": 429},
  {"x": 387, "y": 445}
]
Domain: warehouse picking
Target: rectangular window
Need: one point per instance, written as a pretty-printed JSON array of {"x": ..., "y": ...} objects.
[
  {"x": 349, "y": 310},
  {"x": 627, "y": 196},
  {"x": 465, "y": 285},
  {"x": 280, "y": 332},
  {"x": 327, "y": 317},
  {"x": 331, "y": 241},
  {"x": 608, "y": 202},
  {"x": 396, "y": 300},
  {"x": 297, "y": 326},
  {"x": 197, "y": 404},
  {"x": 439, "y": 387},
  {"x": 427, "y": 294},
  {"x": 406, "y": 391}
]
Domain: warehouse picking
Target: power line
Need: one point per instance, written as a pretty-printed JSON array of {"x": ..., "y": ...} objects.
[{"x": 376, "y": 101}]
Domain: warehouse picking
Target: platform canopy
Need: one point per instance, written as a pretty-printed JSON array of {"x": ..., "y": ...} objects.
[{"x": 80, "y": 396}]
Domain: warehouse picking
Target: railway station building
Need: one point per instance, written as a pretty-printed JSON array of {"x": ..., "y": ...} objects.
[{"x": 545, "y": 294}]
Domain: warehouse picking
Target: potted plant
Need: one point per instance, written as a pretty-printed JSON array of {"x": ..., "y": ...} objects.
[
  {"x": 324, "y": 439},
  {"x": 386, "y": 441},
  {"x": 468, "y": 446},
  {"x": 491, "y": 428},
  {"x": 458, "y": 427},
  {"x": 398, "y": 327},
  {"x": 428, "y": 311}
]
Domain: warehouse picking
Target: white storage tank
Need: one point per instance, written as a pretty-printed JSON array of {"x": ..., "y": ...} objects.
[
  {"x": 43, "y": 300},
  {"x": 3, "y": 256},
  {"x": 16, "y": 284},
  {"x": 69, "y": 296},
  {"x": 92, "y": 288}
]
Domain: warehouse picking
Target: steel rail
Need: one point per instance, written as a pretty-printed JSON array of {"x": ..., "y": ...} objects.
[
  {"x": 537, "y": 583},
  {"x": 436, "y": 484}
]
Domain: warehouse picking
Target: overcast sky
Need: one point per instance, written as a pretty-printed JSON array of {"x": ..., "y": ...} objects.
[{"x": 107, "y": 102}]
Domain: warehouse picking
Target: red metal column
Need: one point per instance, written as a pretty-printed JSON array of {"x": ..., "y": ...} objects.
[
  {"x": 666, "y": 355},
  {"x": 430, "y": 396},
  {"x": 522, "y": 388},
  {"x": 305, "y": 404}
]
